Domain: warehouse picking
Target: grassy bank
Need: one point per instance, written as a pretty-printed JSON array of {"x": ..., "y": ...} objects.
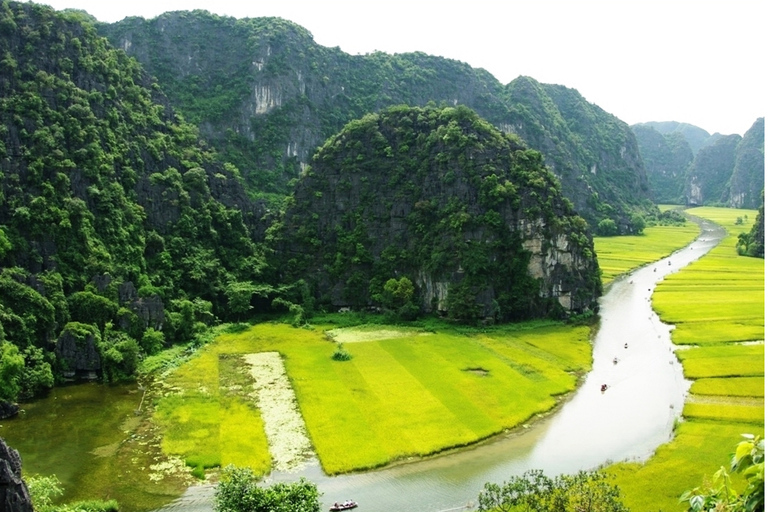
[
  {"x": 620, "y": 254},
  {"x": 717, "y": 305},
  {"x": 408, "y": 393}
]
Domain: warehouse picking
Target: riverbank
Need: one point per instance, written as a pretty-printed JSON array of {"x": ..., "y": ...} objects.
[{"x": 717, "y": 305}]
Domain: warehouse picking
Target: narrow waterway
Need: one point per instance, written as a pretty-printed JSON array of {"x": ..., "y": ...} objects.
[{"x": 628, "y": 421}]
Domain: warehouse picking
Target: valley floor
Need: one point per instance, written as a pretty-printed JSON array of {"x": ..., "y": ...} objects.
[{"x": 717, "y": 306}]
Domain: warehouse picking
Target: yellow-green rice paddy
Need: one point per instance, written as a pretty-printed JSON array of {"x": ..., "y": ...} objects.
[
  {"x": 404, "y": 393},
  {"x": 409, "y": 393},
  {"x": 717, "y": 306},
  {"x": 618, "y": 255}
]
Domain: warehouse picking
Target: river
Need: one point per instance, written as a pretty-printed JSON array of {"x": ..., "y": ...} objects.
[{"x": 637, "y": 413}]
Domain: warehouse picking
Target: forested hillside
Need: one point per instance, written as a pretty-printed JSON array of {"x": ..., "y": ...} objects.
[
  {"x": 748, "y": 178},
  {"x": 666, "y": 158},
  {"x": 119, "y": 232},
  {"x": 687, "y": 165},
  {"x": 707, "y": 177},
  {"x": 434, "y": 209},
  {"x": 266, "y": 95}
]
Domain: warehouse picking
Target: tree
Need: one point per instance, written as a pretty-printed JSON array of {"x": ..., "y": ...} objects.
[
  {"x": 87, "y": 307},
  {"x": 536, "y": 492},
  {"x": 607, "y": 227},
  {"x": 239, "y": 294},
  {"x": 638, "y": 224},
  {"x": 11, "y": 368},
  {"x": 239, "y": 491},
  {"x": 749, "y": 460}
]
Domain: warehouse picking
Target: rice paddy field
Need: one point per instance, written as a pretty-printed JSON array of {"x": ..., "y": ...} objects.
[
  {"x": 717, "y": 305},
  {"x": 404, "y": 393},
  {"x": 620, "y": 254}
]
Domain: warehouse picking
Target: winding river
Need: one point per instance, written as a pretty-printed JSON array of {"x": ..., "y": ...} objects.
[
  {"x": 628, "y": 421},
  {"x": 636, "y": 413}
]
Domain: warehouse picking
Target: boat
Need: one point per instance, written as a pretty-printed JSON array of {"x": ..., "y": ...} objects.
[{"x": 346, "y": 505}]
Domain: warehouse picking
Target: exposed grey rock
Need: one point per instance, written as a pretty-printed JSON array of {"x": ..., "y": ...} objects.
[
  {"x": 8, "y": 409},
  {"x": 76, "y": 348},
  {"x": 14, "y": 495}
]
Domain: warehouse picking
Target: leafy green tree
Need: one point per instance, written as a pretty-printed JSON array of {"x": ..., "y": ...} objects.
[
  {"x": 37, "y": 376},
  {"x": 44, "y": 490},
  {"x": 239, "y": 491},
  {"x": 11, "y": 368},
  {"x": 397, "y": 292},
  {"x": 152, "y": 341},
  {"x": 607, "y": 227},
  {"x": 119, "y": 355},
  {"x": 89, "y": 308},
  {"x": 536, "y": 492},
  {"x": 239, "y": 294},
  {"x": 638, "y": 223},
  {"x": 720, "y": 495}
]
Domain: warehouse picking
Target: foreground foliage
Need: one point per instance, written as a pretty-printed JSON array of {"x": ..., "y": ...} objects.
[
  {"x": 45, "y": 489},
  {"x": 536, "y": 492},
  {"x": 239, "y": 491},
  {"x": 721, "y": 494}
]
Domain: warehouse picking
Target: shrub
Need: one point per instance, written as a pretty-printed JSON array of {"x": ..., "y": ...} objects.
[
  {"x": 749, "y": 460},
  {"x": 239, "y": 491},
  {"x": 582, "y": 492},
  {"x": 607, "y": 227},
  {"x": 341, "y": 354}
]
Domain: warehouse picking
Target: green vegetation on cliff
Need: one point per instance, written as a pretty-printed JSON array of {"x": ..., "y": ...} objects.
[
  {"x": 113, "y": 213},
  {"x": 666, "y": 158},
  {"x": 467, "y": 214},
  {"x": 266, "y": 95}
]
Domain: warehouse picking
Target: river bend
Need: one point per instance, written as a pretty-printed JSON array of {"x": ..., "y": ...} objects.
[{"x": 645, "y": 395}]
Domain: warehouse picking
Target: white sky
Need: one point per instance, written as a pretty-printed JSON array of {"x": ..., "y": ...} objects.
[{"x": 696, "y": 61}]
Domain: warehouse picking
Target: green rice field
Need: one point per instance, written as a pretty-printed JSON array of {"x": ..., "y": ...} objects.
[
  {"x": 412, "y": 394},
  {"x": 620, "y": 254},
  {"x": 717, "y": 306}
]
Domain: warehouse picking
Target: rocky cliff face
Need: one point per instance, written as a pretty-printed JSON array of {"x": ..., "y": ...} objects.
[
  {"x": 14, "y": 496},
  {"x": 267, "y": 95},
  {"x": 666, "y": 158},
  {"x": 686, "y": 164},
  {"x": 707, "y": 177},
  {"x": 468, "y": 214},
  {"x": 593, "y": 153},
  {"x": 748, "y": 178}
]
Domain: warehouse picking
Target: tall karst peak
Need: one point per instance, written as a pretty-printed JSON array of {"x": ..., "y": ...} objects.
[{"x": 438, "y": 195}]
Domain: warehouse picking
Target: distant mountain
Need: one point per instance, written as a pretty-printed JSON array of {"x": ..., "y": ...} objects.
[
  {"x": 748, "y": 178},
  {"x": 696, "y": 137},
  {"x": 266, "y": 95},
  {"x": 725, "y": 169},
  {"x": 708, "y": 175},
  {"x": 666, "y": 158}
]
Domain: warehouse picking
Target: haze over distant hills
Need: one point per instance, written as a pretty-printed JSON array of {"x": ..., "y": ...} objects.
[{"x": 685, "y": 164}]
